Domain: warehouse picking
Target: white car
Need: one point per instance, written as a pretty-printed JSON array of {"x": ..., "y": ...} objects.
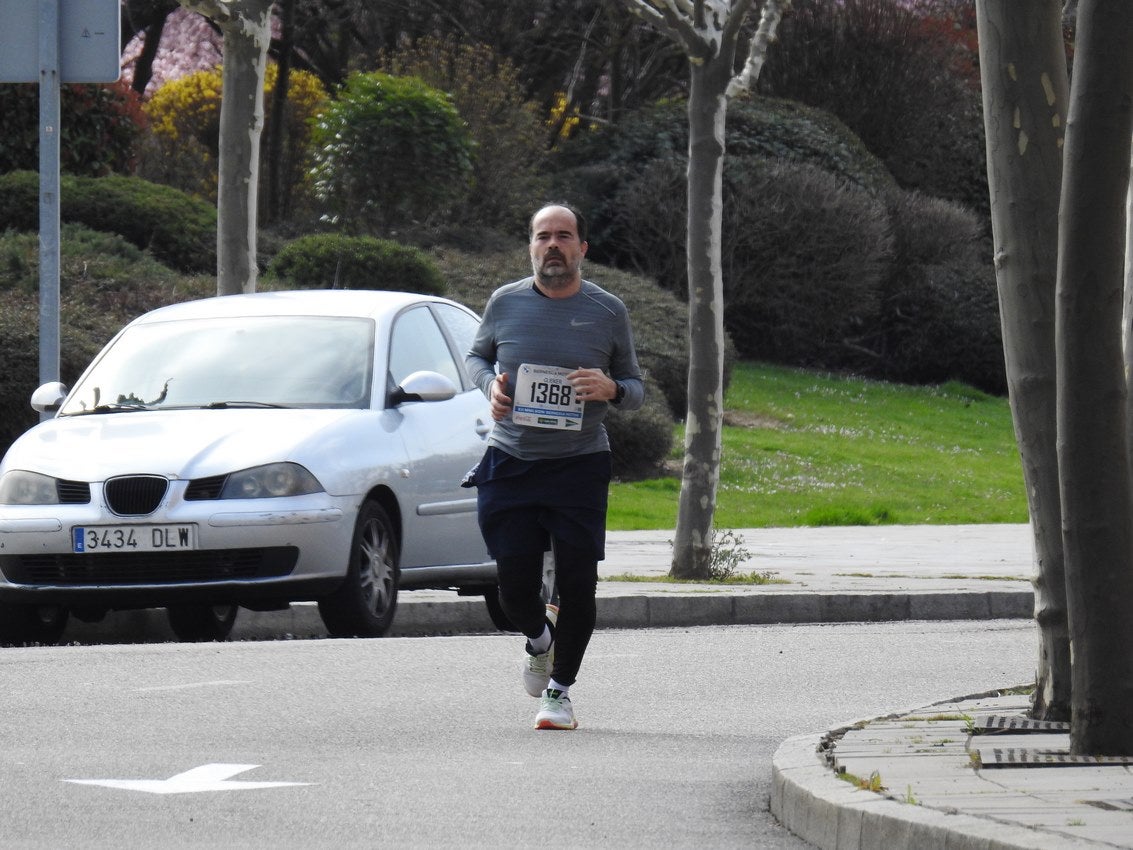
[{"x": 252, "y": 450}]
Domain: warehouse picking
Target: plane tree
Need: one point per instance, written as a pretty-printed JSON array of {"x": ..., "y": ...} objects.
[
  {"x": 246, "y": 25},
  {"x": 1058, "y": 170},
  {"x": 710, "y": 33}
]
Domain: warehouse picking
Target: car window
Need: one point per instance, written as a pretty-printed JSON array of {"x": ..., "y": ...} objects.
[
  {"x": 292, "y": 361},
  {"x": 461, "y": 326},
  {"x": 417, "y": 344}
]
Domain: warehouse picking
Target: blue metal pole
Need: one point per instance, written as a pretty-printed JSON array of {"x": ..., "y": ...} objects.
[{"x": 48, "y": 191}]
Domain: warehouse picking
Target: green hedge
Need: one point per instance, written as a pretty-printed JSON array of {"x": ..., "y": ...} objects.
[
  {"x": 104, "y": 282},
  {"x": 335, "y": 261},
  {"x": 177, "y": 229},
  {"x": 596, "y": 168}
]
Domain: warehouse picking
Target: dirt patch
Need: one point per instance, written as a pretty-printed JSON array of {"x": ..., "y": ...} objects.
[{"x": 740, "y": 419}]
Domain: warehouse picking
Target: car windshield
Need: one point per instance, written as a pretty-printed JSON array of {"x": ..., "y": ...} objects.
[{"x": 263, "y": 361}]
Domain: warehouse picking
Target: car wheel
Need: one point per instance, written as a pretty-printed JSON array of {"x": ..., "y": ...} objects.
[
  {"x": 201, "y": 623},
  {"x": 364, "y": 605},
  {"x": 496, "y": 611},
  {"x": 29, "y": 624},
  {"x": 550, "y": 594}
]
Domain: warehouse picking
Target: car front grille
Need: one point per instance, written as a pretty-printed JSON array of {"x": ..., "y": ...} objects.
[
  {"x": 205, "y": 488},
  {"x": 72, "y": 492},
  {"x": 135, "y": 495},
  {"x": 120, "y": 569}
]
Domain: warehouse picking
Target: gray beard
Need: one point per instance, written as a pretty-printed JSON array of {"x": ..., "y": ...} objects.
[{"x": 556, "y": 279}]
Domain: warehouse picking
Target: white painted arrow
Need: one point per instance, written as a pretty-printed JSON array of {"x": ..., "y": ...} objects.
[{"x": 207, "y": 777}]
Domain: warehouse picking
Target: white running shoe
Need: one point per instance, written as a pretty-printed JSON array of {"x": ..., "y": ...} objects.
[
  {"x": 537, "y": 668},
  {"x": 555, "y": 712}
]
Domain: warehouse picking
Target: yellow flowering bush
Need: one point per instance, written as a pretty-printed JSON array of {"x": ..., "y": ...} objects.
[
  {"x": 184, "y": 116},
  {"x": 564, "y": 115}
]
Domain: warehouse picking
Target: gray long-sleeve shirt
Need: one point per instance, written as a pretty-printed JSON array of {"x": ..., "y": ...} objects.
[{"x": 589, "y": 330}]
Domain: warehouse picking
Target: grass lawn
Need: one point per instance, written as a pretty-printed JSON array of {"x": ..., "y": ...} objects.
[{"x": 805, "y": 449}]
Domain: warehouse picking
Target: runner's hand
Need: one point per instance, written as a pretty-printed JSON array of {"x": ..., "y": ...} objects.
[
  {"x": 498, "y": 399},
  {"x": 593, "y": 385}
]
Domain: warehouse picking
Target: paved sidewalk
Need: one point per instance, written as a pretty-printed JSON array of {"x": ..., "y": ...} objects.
[
  {"x": 818, "y": 575},
  {"x": 933, "y": 793},
  {"x": 951, "y": 775}
]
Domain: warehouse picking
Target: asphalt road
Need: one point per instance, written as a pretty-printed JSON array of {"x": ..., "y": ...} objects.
[{"x": 427, "y": 742}]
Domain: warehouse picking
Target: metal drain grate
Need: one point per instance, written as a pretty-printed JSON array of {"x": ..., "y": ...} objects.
[
  {"x": 1111, "y": 805},
  {"x": 1017, "y": 723},
  {"x": 1019, "y": 757}
]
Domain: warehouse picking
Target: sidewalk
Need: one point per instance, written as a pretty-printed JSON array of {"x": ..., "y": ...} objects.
[
  {"x": 818, "y": 575},
  {"x": 940, "y": 784},
  {"x": 967, "y": 773}
]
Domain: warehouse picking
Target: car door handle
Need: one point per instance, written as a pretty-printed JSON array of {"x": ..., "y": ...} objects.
[{"x": 483, "y": 428}]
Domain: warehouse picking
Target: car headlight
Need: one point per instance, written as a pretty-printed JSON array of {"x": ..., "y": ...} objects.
[
  {"x": 270, "y": 480},
  {"x": 20, "y": 487}
]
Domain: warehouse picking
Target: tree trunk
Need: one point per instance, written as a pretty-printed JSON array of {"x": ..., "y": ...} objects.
[
  {"x": 1093, "y": 451},
  {"x": 278, "y": 205},
  {"x": 1127, "y": 316},
  {"x": 707, "y": 110},
  {"x": 246, "y": 25},
  {"x": 246, "y": 39},
  {"x": 147, "y": 19},
  {"x": 1025, "y": 96}
]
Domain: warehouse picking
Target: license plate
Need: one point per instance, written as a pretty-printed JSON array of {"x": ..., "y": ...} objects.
[{"x": 133, "y": 538}]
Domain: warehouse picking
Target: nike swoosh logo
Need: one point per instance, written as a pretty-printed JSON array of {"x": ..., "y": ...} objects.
[{"x": 575, "y": 323}]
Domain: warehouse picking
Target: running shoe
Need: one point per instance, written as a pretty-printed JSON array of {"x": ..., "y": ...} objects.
[
  {"x": 555, "y": 711},
  {"x": 537, "y": 668}
]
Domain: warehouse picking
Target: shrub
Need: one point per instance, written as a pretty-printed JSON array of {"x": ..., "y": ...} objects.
[
  {"x": 806, "y": 256},
  {"x": 100, "y": 127},
  {"x": 177, "y": 229},
  {"x": 184, "y": 119},
  {"x": 640, "y": 440},
  {"x": 596, "y": 168},
  {"x": 803, "y": 253},
  {"x": 334, "y": 261},
  {"x": 19, "y": 342},
  {"x": 939, "y": 314},
  {"x": 101, "y": 271},
  {"x": 104, "y": 282},
  {"x": 885, "y": 70},
  {"x": 508, "y": 171},
  {"x": 389, "y": 150}
]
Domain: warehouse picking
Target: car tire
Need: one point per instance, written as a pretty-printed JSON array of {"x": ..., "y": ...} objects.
[
  {"x": 202, "y": 623},
  {"x": 550, "y": 593},
  {"x": 496, "y": 610},
  {"x": 365, "y": 603},
  {"x": 31, "y": 624}
]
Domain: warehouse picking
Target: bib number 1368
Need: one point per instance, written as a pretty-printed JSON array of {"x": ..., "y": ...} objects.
[
  {"x": 540, "y": 392},
  {"x": 545, "y": 399}
]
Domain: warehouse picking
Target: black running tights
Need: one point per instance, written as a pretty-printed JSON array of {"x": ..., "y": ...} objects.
[{"x": 576, "y": 574}]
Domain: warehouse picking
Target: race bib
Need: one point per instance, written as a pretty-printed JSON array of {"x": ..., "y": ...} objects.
[{"x": 544, "y": 398}]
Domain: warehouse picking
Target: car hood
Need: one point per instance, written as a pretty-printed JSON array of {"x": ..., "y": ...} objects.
[{"x": 175, "y": 443}]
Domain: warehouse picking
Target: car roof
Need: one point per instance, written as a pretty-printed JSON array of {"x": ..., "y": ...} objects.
[{"x": 316, "y": 302}]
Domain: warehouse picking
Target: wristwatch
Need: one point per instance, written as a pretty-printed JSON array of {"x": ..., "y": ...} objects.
[{"x": 620, "y": 394}]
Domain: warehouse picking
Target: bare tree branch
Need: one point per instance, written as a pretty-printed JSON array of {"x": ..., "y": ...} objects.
[
  {"x": 768, "y": 25},
  {"x": 220, "y": 11},
  {"x": 674, "y": 17}
]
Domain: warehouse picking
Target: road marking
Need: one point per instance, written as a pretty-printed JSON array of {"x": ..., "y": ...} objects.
[
  {"x": 207, "y": 777},
  {"x": 188, "y": 685}
]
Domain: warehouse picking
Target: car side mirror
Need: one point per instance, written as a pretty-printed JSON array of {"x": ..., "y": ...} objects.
[
  {"x": 423, "y": 386},
  {"x": 49, "y": 398}
]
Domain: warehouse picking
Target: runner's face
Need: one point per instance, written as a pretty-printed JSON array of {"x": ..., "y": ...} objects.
[{"x": 556, "y": 252}]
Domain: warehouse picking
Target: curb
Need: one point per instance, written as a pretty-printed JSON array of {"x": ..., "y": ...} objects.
[
  {"x": 831, "y": 814},
  {"x": 616, "y": 610}
]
